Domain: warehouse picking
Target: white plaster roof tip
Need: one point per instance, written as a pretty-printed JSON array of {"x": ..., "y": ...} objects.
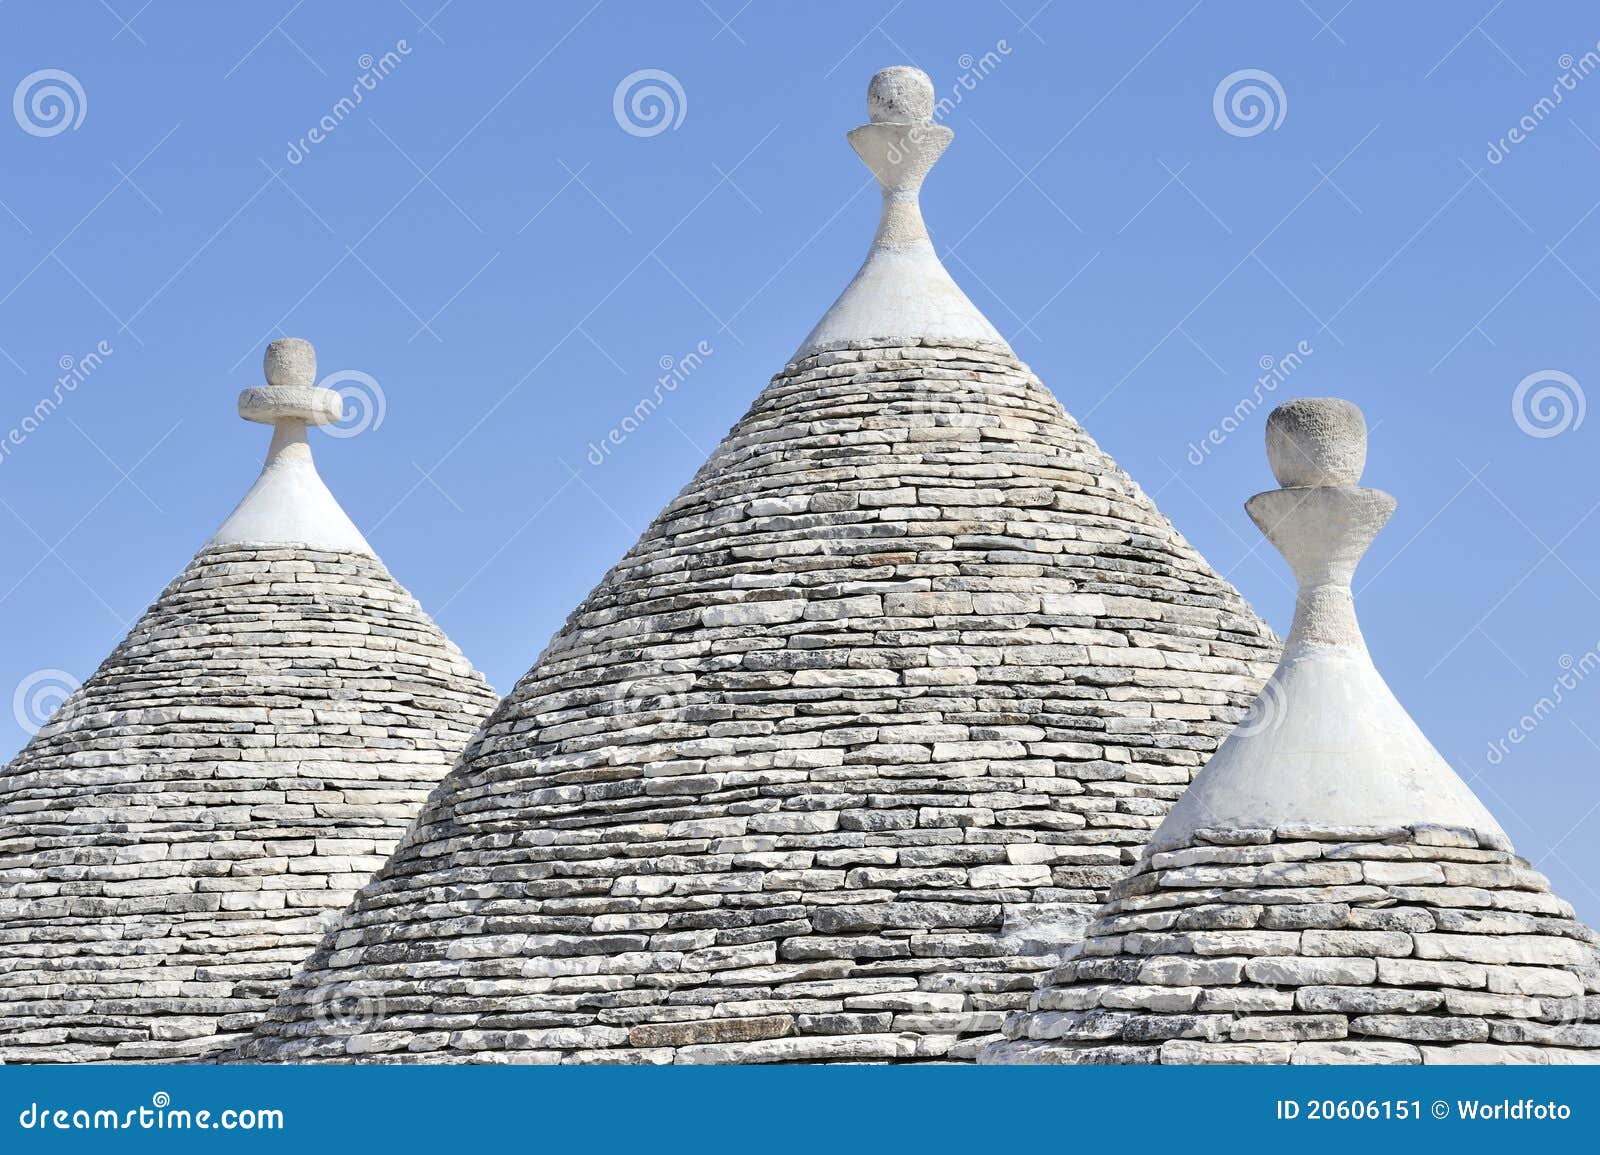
[
  {"x": 289, "y": 504},
  {"x": 1326, "y": 742},
  {"x": 902, "y": 289}
]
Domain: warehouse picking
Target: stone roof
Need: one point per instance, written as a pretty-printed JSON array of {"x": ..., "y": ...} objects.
[
  {"x": 1328, "y": 890},
  {"x": 836, "y": 757},
  {"x": 175, "y": 838}
]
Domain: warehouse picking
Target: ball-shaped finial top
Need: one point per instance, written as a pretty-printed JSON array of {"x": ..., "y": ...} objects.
[
  {"x": 900, "y": 95},
  {"x": 1317, "y": 441},
  {"x": 290, "y": 361}
]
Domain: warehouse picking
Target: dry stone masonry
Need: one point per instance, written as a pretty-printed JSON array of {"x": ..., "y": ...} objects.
[
  {"x": 833, "y": 762},
  {"x": 1328, "y": 890},
  {"x": 174, "y": 840}
]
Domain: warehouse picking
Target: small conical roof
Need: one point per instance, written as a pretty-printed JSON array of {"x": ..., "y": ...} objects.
[
  {"x": 174, "y": 838},
  {"x": 828, "y": 766},
  {"x": 1328, "y": 890}
]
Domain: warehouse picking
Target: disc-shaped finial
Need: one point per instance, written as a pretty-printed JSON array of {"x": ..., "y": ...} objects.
[
  {"x": 900, "y": 95},
  {"x": 290, "y": 361},
  {"x": 291, "y": 392},
  {"x": 1317, "y": 441}
]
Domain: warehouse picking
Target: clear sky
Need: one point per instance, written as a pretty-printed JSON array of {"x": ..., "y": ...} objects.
[{"x": 484, "y": 239}]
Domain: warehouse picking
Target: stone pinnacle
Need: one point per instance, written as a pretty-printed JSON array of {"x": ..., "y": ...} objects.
[
  {"x": 291, "y": 393},
  {"x": 902, "y": 290},
  {"x": 289, "y": 504},
  {"x": 900, "y": 95},
  {"x": 1325, "y": 741}
]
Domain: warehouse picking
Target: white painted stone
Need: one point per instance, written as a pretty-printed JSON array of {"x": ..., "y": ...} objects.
[
  {"x": 889, "y": 742},
  {"x": 289, "y": 504},
  {"x": 1317, "y": 441},
  {"x": 903, "y": 289},
  {"x": 1340, "y": 868},
  {"x": 1326, "y": 741}
]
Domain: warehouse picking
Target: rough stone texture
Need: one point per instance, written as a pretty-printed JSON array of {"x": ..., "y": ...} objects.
[
  {"x": 177, "y": 837},
  {"x": 827, "y": 768},
  {"x": 1317, "y": 441},
  {"x": 1391, "y": 965}
]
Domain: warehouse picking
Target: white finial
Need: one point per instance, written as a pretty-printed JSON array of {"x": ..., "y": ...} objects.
[
  {"x": 291, "y": 392},
  {"x": 1317, "y": 441},
  {"x": 1321, "y": 521},
  {"x": 1325, "y": 744},
  {"x": 290, "y": 361},
  {"x": 902, "y": 290},
  {"x": 289, "y": 504},
  {"x": 900, "y": 95},
  {"x": 900, "y": 144}
]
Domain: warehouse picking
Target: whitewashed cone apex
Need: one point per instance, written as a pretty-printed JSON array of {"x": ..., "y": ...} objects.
[
  {"x": 844, "y": 750},
  {"x": 174, "y": 839},
  {"x": 290, "y": 504},
  {"x": 1326, "y": 740},
  {"x": 1328, "y": 890},
  {"x": 902, "y": 288}
]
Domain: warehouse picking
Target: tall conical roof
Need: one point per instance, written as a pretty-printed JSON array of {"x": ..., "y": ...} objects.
[
  {"x": 1328, "y": 890},
  {"x": 829, "y": 764},
  {"x": 174, "y": 839}
]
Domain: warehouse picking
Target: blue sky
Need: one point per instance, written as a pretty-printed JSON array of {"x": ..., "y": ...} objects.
[{"x": 482, "y": 238}]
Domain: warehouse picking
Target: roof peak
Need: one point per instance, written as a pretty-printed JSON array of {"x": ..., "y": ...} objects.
[
  {"x": 1326, "y": 741},
  {"x": 902, "y": 289},
  {"x": 289, "y": 504}
]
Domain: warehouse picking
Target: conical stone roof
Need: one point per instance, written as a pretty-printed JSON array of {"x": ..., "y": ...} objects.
[
  {"x": 175, "y": 838},
  {"x": 830, "y": 764},
  {"x": 1328, "y": 890}
]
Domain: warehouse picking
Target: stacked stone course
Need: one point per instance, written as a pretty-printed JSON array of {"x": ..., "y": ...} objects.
[
  {"x": 829, "y": 767},
  {"x": 1328, "y": 890},
  {"x": 175, "y": 839},
  {"x": 1307, "y": 945}
]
